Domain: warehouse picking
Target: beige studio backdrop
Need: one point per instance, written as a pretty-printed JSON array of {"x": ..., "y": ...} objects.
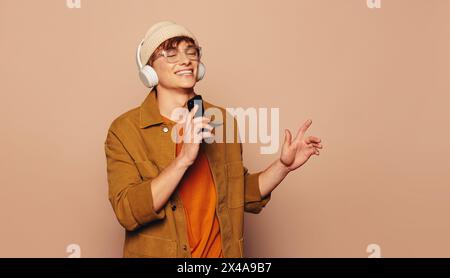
[{"x": 375, "y": 82}]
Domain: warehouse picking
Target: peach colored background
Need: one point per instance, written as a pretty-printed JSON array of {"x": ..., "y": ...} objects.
[{"x": 375, "y": 82}]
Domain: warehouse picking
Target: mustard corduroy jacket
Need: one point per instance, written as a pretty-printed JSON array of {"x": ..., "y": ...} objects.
[{"x": 138, "y": 147}]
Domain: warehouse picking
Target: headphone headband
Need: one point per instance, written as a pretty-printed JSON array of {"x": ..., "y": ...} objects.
[{"x": 138, "y": 55}]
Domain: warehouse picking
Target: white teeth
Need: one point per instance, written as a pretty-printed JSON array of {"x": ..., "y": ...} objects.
[{"x": 184, "y": 72}]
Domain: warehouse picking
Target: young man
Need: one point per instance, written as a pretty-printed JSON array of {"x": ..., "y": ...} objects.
[{"x": 185, "y": 199}]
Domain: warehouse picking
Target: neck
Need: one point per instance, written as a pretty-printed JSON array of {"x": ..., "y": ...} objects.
[{"x": 169, "y": 99}]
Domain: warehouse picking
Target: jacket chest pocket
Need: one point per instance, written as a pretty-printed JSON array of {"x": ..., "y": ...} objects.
[
  {"x": 147, "y": 169},
  {"x": 235, "y": 183}
]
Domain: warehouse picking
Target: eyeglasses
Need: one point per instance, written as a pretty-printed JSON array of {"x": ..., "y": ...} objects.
[{"x": 172, "y": 55}]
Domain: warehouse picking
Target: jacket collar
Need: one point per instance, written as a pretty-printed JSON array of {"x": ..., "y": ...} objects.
[{"x": 149, "y": 110}]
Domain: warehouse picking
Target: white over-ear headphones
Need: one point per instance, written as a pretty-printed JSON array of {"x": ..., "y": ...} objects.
[{"x": 148, "y": 75}]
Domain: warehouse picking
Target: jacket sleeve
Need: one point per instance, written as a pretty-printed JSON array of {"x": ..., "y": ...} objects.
[
  {"x": 130, "y": 196},
  {"x": 253, "y": 201}
]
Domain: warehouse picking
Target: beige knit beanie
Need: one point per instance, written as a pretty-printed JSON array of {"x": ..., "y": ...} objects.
[{"x": 158, "y": 33}]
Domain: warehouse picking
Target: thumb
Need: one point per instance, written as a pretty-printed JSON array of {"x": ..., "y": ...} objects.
[{"x": 287, "y": 137}]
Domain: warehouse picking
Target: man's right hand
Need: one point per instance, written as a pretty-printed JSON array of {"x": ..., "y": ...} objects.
[{"x": 193, "y": 136}]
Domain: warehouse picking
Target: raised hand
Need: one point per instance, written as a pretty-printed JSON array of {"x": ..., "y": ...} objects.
[
  {"x": 296, "y": 152},
  {"x": 193, "y": 135}
]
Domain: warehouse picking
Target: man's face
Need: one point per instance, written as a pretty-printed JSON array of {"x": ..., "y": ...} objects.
[{"x": 171, "y": 75}]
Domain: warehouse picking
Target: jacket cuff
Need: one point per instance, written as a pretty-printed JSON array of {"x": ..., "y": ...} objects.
[
  {"x": 141, "y": 203},
  {"x": 254, "y": 203}
]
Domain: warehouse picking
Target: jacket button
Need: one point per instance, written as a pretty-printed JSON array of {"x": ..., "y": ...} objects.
[
  {"x": 165, "y": 129},
  {"x": 185, "y": 247},
  {"x": 174, "y": 207}
]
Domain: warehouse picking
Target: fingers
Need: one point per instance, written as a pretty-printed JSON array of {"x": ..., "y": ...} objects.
[
  {"x": 314, "y": 147},
  {"x": 198, "y": 129},
  {"x": 195, "y": 121},
  {"x": 187, "y": 117},
  {"x": 313, "y": 150},
  {"x": 201, "y": 120},
  {"x": 303, "y": 129},
  {"x": 316, "y": 150},
  {"x": 200, "y": 123},
  {"x": 287, "y": 137},
  {"x": 200, "y": 134},
  {"x": 193, "y": 111},
  {"x": 312, "y": 139},
  {"x": 317, "y": 146},
  {"x": 205, "y": 135}
]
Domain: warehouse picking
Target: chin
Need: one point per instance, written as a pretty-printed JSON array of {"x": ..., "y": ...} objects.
[
  {"x": 187, "y": 87},
  {"x": 186, "y": 84}
]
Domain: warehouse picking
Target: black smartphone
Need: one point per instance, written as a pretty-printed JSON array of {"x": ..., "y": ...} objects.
[{"x": 197, "y": 99}]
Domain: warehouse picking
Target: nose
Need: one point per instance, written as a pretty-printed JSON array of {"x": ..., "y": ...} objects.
[{"x": 183, "y": 59}]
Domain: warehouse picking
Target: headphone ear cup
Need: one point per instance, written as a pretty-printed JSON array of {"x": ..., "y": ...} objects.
[
  {"x": 148, "y": 76},
  {"x": 200, "y": 71}
]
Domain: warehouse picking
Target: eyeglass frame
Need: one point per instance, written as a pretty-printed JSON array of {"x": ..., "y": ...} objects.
[{"x": 163, "y": 53}]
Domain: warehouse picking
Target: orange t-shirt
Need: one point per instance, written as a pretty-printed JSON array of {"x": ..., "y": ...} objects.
[{"x": 198, "y": 195}]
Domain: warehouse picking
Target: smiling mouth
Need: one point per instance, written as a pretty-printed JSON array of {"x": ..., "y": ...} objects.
[{"x": 184, "y": 72}]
